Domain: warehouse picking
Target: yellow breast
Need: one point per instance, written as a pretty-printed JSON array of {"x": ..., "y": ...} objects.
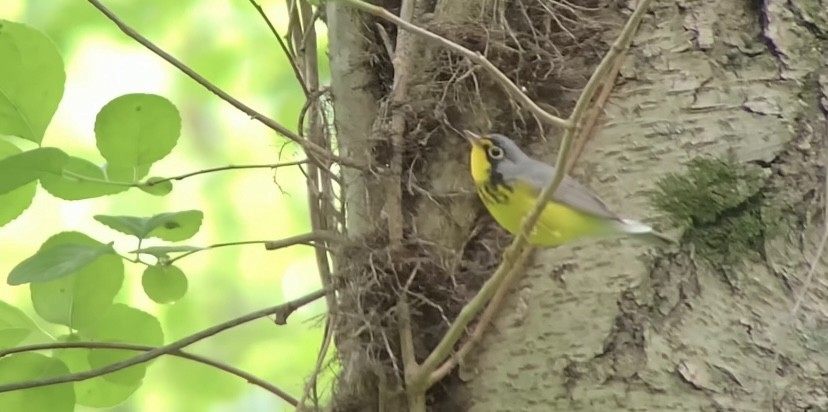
[{"x": 557, "y": 224}]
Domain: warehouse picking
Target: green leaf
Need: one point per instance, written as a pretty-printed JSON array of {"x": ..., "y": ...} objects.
[
  {"x": 128, "y": 225},
  {"x": 15, "y": 326},
  {"x": 79, "y": 299},
  {"x": 31, "y": 366},
  {"x": 163, "y": 251},
  {"x": 137, "y": 129},
  {"x": 164, "y": 283},
  {"x": 173, "y": 226},
  {"x": 177, "y": 226},
  {"x": 57, "y": 262},
  {"x": 22, "y": 168},
  {"x": 157, "y": 186},
  {"x": 31, "y": 81},
  {"x": 17, "y": 200},
  {"x": 126, "y": 174},
  {"x": 126, "y": 325},
  {"x": 70, "y": 185},
  {"x": 96, "y": 392}
]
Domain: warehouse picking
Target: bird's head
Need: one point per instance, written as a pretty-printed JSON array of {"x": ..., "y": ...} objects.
[{"x": 491, "y": 154}]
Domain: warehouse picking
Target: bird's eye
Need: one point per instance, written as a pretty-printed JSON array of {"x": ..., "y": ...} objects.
[{"x": 495, "y": 152}]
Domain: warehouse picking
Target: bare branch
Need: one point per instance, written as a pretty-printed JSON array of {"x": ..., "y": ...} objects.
[
  {"x": 416, "y": 393},
  {"x": 302, "y": 36},
  {"x": 221, "y": 169},
  {"x": 483, "y": 323},
  {"x": 283, "y": 46},
  {"x": 402, "y": 61},
  {"x": 281, "y": 312},
  {"x": 320, "y": 359},
  {"x": 591, "y": 118},
  {"x": 304, "y": 239},
  {"x": 467, "y": 314},
  {"x": 253, "y": 379}
]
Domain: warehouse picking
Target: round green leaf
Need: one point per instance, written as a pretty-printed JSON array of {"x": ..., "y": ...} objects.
[
  {"x": 157, "y": 186},
  {"x": 15, "y": 326},
  {"x": 164, "y": 283},
  {"x": 96, "y": 392},
  {"x": 22, "y": 168},
  {"x": 17, "y": 200},
  {"x": 31, "y": 81},
  {"x": 137, "y": 129},
  {"x": 28, "y": 366},
  {"x": 127, "y": 325},
  {"x": 79, "y": 299}
]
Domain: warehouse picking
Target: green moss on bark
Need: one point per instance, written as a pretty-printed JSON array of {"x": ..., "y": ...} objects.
[{"x": 719, "y": 202}]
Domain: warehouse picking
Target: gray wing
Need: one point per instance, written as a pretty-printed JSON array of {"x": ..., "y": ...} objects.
[{"x": 570, "y": 192}]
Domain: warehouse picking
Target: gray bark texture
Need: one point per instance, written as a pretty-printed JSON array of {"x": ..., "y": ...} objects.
[{"x": 608, "y": 325}]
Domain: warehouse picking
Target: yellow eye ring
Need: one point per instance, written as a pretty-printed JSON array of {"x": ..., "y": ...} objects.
[{"x": 495, "y": 152}]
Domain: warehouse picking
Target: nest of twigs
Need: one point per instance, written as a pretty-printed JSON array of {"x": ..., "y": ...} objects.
[{"x": 435, "y": 287}]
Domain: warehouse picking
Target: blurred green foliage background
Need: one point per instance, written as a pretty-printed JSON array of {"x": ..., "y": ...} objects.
[{"x": 228, "y": 43}]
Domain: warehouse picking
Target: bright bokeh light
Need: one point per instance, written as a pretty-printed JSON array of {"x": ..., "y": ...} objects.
[{"x": 229, "y": 44}]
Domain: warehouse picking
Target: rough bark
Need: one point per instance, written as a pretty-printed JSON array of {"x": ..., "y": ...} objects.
[
  {"x": 671, "y": 332},
  {"x": 609, "y": 325}
]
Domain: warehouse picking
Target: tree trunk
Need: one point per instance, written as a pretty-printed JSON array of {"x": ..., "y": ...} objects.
[{"x": 595, "y": 325}]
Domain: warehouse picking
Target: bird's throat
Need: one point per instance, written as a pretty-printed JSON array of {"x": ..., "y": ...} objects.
[{"x": 480, "y": 166}]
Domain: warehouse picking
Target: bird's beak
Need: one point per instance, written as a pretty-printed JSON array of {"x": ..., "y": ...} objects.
[{"x": 472, "y": 138}]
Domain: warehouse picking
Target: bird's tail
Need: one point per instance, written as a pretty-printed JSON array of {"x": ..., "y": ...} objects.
[{"x": 644, "y": 232}]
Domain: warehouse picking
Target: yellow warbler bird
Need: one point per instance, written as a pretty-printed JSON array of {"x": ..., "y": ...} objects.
[{"x": 508, "y": 182}]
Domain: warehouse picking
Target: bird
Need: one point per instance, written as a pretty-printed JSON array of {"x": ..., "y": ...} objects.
[{"x": 509, "y": 181}]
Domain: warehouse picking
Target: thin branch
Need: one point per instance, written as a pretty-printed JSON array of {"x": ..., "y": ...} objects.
[
  {"x": 302, "y": 34},
  {"x": 281, "y": 313},
  {"x": 293, "y": 22},
  {"x": 482, "y": 324},
  {"x": 312, "y": 100},
  {"x": 320, "y": 359},
  {"x": 253, "y": 379},
  {"x": 591, "y": 118},
  {"x": 416, "y": 393},
  {"x": 307, "y": 238},
  {"x": 283, "y": 46},
  {"x": 220, "y": 245},
  {"x": 444, "y": 348},
  {"x": 310, "y": 148},
  {"x": 149, "y": 183},
  {"x": 402, "y": 62},
  {"x": 221, "y": 169},
  {"x": 501, "y": 78}
]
